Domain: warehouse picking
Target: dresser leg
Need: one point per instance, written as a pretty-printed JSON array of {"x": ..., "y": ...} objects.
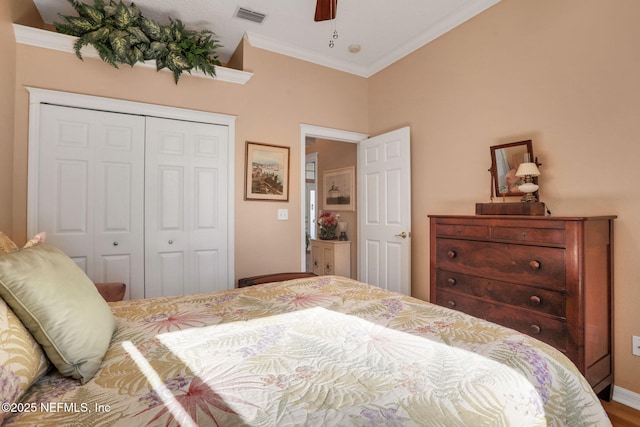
[{"x": 606, "y": 393}]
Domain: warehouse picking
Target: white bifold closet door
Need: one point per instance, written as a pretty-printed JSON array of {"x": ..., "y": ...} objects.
[
  {"x": 136, "y": 199},
  {"x": 186, "y": 207},
  {"x": 90, "y": 187}
]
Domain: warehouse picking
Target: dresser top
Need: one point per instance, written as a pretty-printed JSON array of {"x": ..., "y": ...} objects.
[{"x": 530, "y": 217}]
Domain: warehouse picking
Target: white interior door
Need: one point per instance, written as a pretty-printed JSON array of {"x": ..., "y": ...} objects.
[
  {"x": 384, "y": 211},
  {"x": 186, "y": 208},
  {"x": 90, "y": 183}
]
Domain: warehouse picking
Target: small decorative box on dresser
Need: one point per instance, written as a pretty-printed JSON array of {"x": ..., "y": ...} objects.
[
  {"x": 331, "y": 257},
  {"x": 549, "y": 277}
]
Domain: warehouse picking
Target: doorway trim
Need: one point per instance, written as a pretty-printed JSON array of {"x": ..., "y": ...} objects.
[
  {"x": 39, "y": 96},
  {"x": 311, "y": 131}
]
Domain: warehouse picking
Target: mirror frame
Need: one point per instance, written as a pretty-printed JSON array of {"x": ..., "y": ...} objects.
[{"x": 515, "y": 149}]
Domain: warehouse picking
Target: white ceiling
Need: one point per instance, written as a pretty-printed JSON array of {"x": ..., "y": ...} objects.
[{"x": 386, "y": 30}]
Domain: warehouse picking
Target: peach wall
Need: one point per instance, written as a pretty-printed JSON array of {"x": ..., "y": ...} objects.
[
  {"x": 7, "y": 85},
  {"x": 282, "y": 94},
  {"x": 285, "y": 93},
  {"x": 563, "y": 73}
]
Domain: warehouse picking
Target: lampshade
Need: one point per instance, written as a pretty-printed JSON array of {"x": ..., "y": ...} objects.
[{"x": 527, "y": 169}]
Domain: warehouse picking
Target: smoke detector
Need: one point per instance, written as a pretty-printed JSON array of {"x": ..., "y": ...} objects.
[{"x": 250, "y": 15}]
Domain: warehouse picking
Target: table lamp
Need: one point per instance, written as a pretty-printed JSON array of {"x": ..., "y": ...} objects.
[{"x": 528, "y": 171}]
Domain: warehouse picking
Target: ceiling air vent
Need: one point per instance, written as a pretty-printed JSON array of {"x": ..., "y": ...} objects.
[{"x": 250, "y": 15}]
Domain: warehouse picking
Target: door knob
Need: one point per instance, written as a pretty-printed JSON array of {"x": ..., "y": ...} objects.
[
  {"x": 403, "y": 235},
  {"x": 171, "y": 242},
  {"x": 115, "y": 243}
]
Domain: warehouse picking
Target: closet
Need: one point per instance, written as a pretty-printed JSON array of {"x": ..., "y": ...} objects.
[{"x": 137, "y": 199}]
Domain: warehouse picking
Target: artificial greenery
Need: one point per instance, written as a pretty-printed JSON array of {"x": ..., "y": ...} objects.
[{"x": 122, "y": 35}]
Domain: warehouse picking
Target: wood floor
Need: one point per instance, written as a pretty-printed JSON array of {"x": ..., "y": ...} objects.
[{"x": 622, "y": 415}]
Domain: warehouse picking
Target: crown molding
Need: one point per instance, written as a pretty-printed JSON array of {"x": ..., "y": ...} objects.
[
  {"x": 56, "y": 41},
  {"x": 471, "y": 9},
  {"x": 273, "y": 45},
  {"x": 443, "y": 26},
  {"x": 61, "y": 42}
]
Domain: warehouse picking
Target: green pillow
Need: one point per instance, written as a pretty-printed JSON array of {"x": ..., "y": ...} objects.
[{"x": 60, "y": 306}]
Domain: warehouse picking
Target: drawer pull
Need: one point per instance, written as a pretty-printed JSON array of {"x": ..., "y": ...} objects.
[
  {"x": 451, "y": 281},
  {"x": 524, "y": 235},
  {"x": 451, "y": 303},
  {"x": 535, "y": 329},
  {"x": 451, "y": 254},
  {"x": 328, "y": 267},
  {"x": 535, "y": 300},
  {"x": 535, "y": 265}
]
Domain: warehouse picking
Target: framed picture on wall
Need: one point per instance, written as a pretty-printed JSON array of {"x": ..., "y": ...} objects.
[
  {"x": 338, "y": 189},
  {"x": 266, "y": 172}
]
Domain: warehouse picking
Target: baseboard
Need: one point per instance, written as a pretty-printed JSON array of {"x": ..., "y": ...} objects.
[{"x": 626, "y": 397}]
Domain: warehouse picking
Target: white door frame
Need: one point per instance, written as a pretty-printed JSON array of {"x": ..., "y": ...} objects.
[
  {"x": 312, "y": 157},
  {"x": 312, "y": 131},
  {"x": 44, "y": 96}
]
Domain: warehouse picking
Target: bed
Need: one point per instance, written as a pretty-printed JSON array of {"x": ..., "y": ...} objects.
[{"x": 314, "y": 351}]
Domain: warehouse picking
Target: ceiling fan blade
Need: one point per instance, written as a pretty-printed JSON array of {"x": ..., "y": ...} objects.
[{"x": 325, "y": 10}]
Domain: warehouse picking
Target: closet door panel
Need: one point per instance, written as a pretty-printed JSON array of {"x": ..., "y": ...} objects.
[
  {"x": 68, "y": 225},
  {"x": 209, "y": 233},
  {"x": 171, "y": 198},
  {"x": 117, "y": 268},
  {"x": 166, "y": 237},
  {"x": 65, "y": 176},
  {"x": 166, "y": 240},
  {"x": 206, "y": 199},
  {"x": 186, "y": 208},
  {"x": 90, "y": 190},
  {"x": 71, "y": 192},
  {"x": 172, "y": 274},
  {"x": 119, "y": 202},
  {"x": 207, "y": 265}
]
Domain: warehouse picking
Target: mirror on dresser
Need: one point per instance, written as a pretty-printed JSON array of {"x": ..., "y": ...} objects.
[{"x": 505, "y": 160}]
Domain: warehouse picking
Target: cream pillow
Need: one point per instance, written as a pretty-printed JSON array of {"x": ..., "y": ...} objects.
[
  {"x": 60, "y": 306},
  {"x": 22, "y": 360}
]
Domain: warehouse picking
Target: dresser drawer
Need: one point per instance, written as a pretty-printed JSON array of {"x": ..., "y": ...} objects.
[
  {"x": 541, "y": 266},
  {"x": 547, "y": 233},
  {"x": 529, "y": 297},
  {"x": 463, "y": 230},
  {"x": 545, "y": 236},
  {"x": 546, "y": 329}
]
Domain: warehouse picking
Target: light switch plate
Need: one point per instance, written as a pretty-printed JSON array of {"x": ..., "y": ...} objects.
[
  {"x": 283, "y": 214},
  {"x": 636, "y": 345}
]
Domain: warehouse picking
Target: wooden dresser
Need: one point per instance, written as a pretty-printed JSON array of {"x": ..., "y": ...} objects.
[{"x": 549, "y": 277}]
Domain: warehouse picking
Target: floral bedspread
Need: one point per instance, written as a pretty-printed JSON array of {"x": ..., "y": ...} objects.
[{"x": 325, "y": 351}]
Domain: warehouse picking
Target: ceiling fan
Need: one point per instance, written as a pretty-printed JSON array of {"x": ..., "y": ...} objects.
[{"x": 325, "y": 10}]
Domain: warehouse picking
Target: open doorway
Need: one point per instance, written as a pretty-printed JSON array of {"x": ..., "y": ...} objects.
[
  {"x": 310, "y": 201},
  {"x": 312, "y": 195}
]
